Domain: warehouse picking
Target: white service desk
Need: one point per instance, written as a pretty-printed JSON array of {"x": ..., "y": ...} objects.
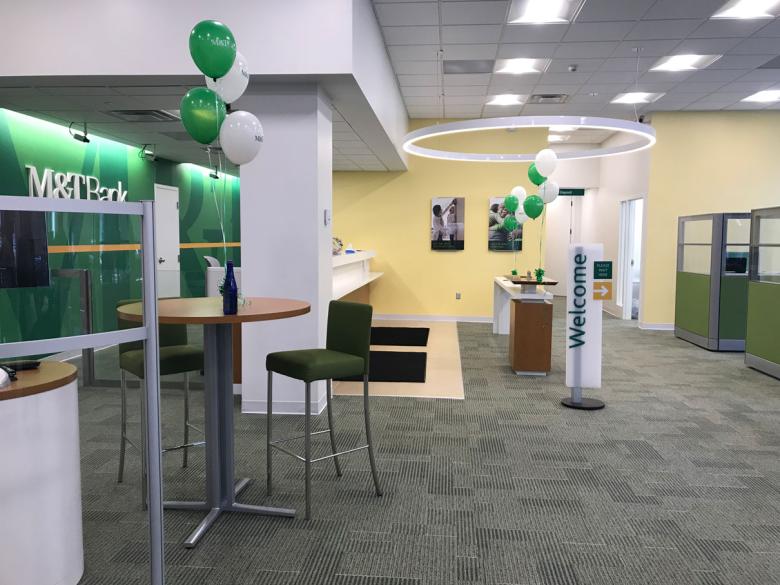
[{"x": 504, "y": 291}]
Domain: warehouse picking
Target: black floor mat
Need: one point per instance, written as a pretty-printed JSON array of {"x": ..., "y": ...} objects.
[
  {"x": 396, "y": 366},
  {"x": 417, "y": 336}
]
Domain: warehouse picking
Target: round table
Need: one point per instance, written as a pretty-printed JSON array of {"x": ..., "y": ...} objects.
[
  {"x": 40, "y": 483},
  {"x": 221, "y": 486}
]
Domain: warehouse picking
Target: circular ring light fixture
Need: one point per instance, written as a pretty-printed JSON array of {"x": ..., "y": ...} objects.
[{"x": 644, "y": 137}]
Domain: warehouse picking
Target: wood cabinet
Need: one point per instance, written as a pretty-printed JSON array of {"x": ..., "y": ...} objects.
[{"x": 530, "y": 337}]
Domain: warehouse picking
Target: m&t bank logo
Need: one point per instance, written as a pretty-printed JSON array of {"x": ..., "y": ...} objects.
[{"x": 70, "y": 186}]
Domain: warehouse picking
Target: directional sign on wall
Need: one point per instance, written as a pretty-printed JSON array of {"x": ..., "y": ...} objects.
[
  {"x": 602, "y": 270},
  {"x": 602, "y": 291}
]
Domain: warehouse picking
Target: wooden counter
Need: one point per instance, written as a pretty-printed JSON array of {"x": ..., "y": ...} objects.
[{"x": 49, "y": 376}]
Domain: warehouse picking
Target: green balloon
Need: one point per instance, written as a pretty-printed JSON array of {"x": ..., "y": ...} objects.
[
  {"x": 510, "y": 223},
  {"x": 533, "y": 206},
  {"x": 202, "y": 113},
  {"x": 213, "y": 48},
  {"x": 535, "y": 176},
  {"x": 511, "y": 203}
]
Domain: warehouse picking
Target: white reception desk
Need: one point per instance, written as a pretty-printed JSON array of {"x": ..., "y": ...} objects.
[
  {"x": 503, "y": 293},
  {"x": 350, "y": 272}
]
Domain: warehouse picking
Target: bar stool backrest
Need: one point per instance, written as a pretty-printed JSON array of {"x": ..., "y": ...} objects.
[{"x": 349, "y": 329}]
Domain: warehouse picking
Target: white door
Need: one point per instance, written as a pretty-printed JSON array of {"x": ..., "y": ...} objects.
[
  {"x": 166, "y": 219},
  {"x": 629, "y": 257}
]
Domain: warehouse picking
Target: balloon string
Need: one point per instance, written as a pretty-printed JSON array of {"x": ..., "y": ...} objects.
[{"x": 541, "y": 235}]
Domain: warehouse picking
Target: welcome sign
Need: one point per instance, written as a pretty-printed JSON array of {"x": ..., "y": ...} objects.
[{"x": 583, "y": 319}]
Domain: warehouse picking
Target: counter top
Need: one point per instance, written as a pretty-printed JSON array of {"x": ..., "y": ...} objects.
[
  {"x": 342, "y": 259},
  {"x": 515, "y": 290},
  {"x": 49, "y": 376}
]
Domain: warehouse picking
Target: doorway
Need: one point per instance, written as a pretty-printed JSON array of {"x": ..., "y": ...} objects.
[
  {"x": 166, "y": 223},
  {"x": 630, "y": 257}
]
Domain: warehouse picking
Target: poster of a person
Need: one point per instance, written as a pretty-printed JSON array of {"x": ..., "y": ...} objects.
[
  {"x": 447, "y": 220},
  {"x": 499, "y": 238}
]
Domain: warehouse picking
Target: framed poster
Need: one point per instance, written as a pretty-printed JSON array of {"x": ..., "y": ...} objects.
[
  {"x": 447, "y": 221},
  {"x": 499, "y": 238}
]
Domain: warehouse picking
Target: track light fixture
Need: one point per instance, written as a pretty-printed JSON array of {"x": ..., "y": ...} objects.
[
  {"x": 148, "y": 152},
  {"x": 81, "y": 137}
]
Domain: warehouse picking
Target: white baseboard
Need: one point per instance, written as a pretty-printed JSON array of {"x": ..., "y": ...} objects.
[
  {"x": 446, "y": 318},
  {"x": 289, "y": 407},
  {"x": 657, "y": 326}
]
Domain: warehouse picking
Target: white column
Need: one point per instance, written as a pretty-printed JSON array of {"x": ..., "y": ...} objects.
[{"x": 285, "y": 244}]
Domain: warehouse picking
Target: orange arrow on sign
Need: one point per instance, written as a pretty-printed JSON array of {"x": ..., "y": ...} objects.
[{"x": 602, "y": 290}]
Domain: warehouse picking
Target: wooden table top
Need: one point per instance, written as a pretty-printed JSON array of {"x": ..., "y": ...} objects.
[
  {"x": 48, "y": 376},
  {"x": 208, "y": 310}
]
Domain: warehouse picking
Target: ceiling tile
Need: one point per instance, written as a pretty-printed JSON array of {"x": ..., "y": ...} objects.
[
  {"x": 354, "y": 150},
  {"x": 745, "y": 87},
  {"x": 757, "y": 46},
  {"x": 583, "y": 65},
  {"x": 471, "y": 34},
  {"x": 463, "y": 52},
  {"x": 770, "y": 30},
  {"x": 462, "y": 111},
  {"x": 761, "y": 75},
  {"x": 628, "y": 64},
  {"x": 509, "y": 84},
  {"x": 413, "y": 52},
  {"x": 565, "y": 89},
  {"x": 612, "y": 77},
  {"x": 532, "y": 33},
  {"x": 663, "y": 29},
  {"x": 597, "y": 31},
  {"x": 468, "y": 100},
  {"x": 407, "y": 14},
  {"x": 466, "y": 90},
  {"x": 527, "y": 50},
  {"x": 417, "y": 80},
  {"x": 144, "y": 90},
  {"x": 431, "y": 90},
  {"x": 411, "y": 35},
  {"x": 741, "y": 61},
  {"x": 672, "y": 9},
  {"x": 567, "y": 78},
  {"x": 706, "y": 46},
  {"x": 585, "y": 50},
  {"x": 714, "y": 75},
  {"x": 702, "y": 87},
  {"x": 416, "y": 67},
  {"x": 500, "y": 111},
  {"x": 425, "y": 111},
  {"x": 605, "y": 10},
  {"x": 649, "y": 48},
  {"x": 485, "y": 12},
  {"x": 467, "y": 79},
  {"x": 713, "y": 29},
  {"x": 422, "y": 100}
]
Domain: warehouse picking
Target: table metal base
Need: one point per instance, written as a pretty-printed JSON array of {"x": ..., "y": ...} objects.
[
  {"x": 221, "y": 486},
  {"x": 583, "y": 404}
]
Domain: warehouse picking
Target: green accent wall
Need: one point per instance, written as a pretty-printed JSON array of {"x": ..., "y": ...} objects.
[
  {"x": 733, "y": 307},
  {"x": 762, "y": 337},
  {"x": 692, "y": 306},
  {"x": 54, "y": 311}
]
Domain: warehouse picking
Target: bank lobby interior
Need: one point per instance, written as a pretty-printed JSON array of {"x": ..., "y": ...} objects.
[{"x": 511, "y": 267}]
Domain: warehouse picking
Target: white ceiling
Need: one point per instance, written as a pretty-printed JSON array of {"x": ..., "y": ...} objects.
[{"x": 602, "y": 43}]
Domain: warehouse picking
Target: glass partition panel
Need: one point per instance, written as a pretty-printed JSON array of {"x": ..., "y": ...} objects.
[
  {"x": 738, "y": 231},
  {"x": 696, "y": 259},
  {"x": 737, "y": 259},
  {"x": 768, "y": 264},
  {"x": 768, "y": 230},
  {"x": 697, "y": 231}
]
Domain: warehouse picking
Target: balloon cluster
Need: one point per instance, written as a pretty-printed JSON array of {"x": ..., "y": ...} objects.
[
  {"x": 533, "y": 205},
  {"x": 203, "y": 110}
]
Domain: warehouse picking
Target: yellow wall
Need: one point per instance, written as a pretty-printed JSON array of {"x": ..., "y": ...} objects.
[
  {"x": 703, "y": 163},
  {"x": 390, "y": 213}
]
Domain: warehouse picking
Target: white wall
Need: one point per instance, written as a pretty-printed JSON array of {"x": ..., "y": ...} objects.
[{"x": 285, "y": 245}]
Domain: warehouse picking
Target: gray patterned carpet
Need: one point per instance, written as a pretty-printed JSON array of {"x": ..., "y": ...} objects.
[{"x": 677, "y": 482}]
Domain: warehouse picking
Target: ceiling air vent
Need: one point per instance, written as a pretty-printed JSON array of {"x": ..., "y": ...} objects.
[
  {"x": 548, "y": 98},
  {"x": 468, "y": 66},
  {"x": 182, "y": 136},
  {"x": 144, "y": 115}
]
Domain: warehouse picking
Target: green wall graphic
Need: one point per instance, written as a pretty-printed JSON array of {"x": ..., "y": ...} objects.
[{"x": 55, "y": 310}]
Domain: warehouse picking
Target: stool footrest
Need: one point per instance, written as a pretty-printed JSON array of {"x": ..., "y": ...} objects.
[
  {"x": 277, "y": 441},
  {"x": 184, "y": 446},
  {"x": 331, "y": 456}
]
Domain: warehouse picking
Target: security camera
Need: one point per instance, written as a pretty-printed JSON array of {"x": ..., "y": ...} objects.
[{"x": 573, "y": 67}]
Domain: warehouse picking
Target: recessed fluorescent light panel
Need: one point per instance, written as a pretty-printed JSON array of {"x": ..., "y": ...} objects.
[
  {"x": 636, "y": 97},
  {"x": 764, "y": 97},
  {"x": 558, "y": 137},
  {"x": 521, "y": 66},
  {"x": 684, "y": 62},
  {"x": 747, "y": 9},
  {"x": 543, "y": 11},
  {"x": 507, "y": 99}
]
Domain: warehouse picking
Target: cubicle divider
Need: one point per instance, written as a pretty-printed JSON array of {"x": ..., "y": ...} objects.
[
  {"x": 711, "y": 282},
  {"x": 762, "y": 343},
  {"x": 148, "y": 333}
]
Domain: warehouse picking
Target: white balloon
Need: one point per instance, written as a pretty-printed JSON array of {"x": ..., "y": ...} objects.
[
  {"x": 520, "y": 193},
  {"x": 548, "y": 191},
  {"x": 521, "y": 217},
  {"x": 241, "y": 137},
  {"x": 232, "y": 85},
  {"x": 546, "y": 161}
]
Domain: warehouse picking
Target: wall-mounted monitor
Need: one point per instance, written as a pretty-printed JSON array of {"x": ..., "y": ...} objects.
[{"x": 24, "y": 251}]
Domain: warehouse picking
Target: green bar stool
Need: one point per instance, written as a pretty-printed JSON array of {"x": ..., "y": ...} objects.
[
  {"x": 177, "y": 356},
  {"x": 346, "y": 354}
]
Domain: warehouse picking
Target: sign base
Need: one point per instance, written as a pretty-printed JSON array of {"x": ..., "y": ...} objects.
[{"x": 583, "y": 404}]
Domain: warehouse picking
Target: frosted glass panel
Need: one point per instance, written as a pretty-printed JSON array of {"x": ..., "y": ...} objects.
[
  {"x": 738, "y": 231},
  {"x": 769, "y": 230},
  {"x": 769, "y": 264},
  {"x": 696, "y": 259},
  {"x": 698, "y": 231}
]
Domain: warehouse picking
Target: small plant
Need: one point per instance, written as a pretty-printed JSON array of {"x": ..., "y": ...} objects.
[
  {"x": 539, "y": 273},
  {"x": 514, "y": 273}
]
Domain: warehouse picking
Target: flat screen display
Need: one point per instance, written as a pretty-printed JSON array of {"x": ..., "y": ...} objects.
[{"x": 24, "y": 251}]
